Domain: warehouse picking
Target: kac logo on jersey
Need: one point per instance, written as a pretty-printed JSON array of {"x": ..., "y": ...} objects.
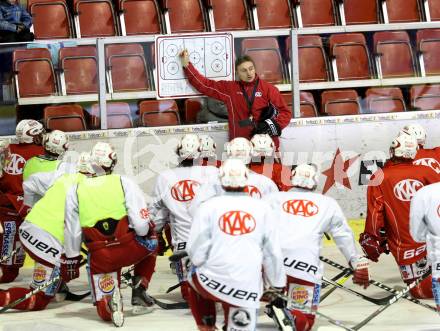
[
  {"x": 14, "y": 164},
  {"x": 305, "y": 208},
  {"x": 106, "y": 283},
  {"x": 253, "y": 191},
  {"x": 405, "y": 189},
  {"x": 183, "y": 190},
  {"x": 237, "y": 223},
  {"x": 429, "y": 162}
]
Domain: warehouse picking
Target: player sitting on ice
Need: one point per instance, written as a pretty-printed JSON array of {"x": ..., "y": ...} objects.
[
  {"x": 233, "y": 241},
  {"x": 29, "y": 134},
  {"x": 425, "y": 226},
  {"x": 208, "y": 155},
  {"x": 388, "y": 202},
  {"x": 42, "y": 235},
  {"x": 265, "y": 163},
  {"x": 110, "y": 213},
  {"x": 302, "y": 216},
  {"x": 173, "y": 192}
]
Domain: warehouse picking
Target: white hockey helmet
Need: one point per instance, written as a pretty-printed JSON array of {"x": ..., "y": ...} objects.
[
  {"x": 262, "y": 145},
  {"x": 233, "y": 173},
  {"x": 189, "y": 146},
  {"x": 56, "y": 142},
  {"x": 84, "y": 164},
  {"x": 207, "y": 146},
  {"x": 239, "y": 148},
  {"x": 415, "y": 130},
  {"x": 404, "y": 146},
  {"x": 27, "y": 130},
  {"x": 4, "y": 154},
  {"x": 305, "y": 176},
  {"x": 104, "y": 156}
]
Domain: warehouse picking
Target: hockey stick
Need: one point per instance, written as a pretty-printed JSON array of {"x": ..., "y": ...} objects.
[
  {"x": 394, "y": 299},
  {"x": 65, "y": 294},
  {"x": 381, "y": 285},
  {"x": 340, "y": 280}
]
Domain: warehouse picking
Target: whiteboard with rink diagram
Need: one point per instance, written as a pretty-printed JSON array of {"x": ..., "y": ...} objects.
[{"x": 211, "y": 54}]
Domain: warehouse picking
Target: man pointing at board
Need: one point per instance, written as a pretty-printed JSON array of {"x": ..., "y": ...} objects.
[{"x": 254, "y": 106}]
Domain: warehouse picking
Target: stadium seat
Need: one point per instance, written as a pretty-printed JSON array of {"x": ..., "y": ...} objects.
[
  {"x": 266, "y": 54},
  {"x": 309, "y": 47},
  {"x": 65, "y": 118},
  {"x": 428, "y": 45},
  {"x": 360, "y": 12},
  {"x": 139, "y": 17},
  {"x": 307, "y": 104},
  {"x": 400, "y": 11},
  {"x": 159, "y": 113},
  {"x": 434, "y": 10},
  {"x": 192, "y": 108},
  {"x": 226, "y": 15},
  {"x": 350, "y": 57},
  {"x": 314, "y": 12},
  {"x": 126, "y": 68},
  {"x": 78, "y": 70},
  {"x": 272, "y": 14},
  {"x": 94, "y": 18},
  {"x": 184, "y": 16},
  {"x": 393, "y": 52},
  {"x": 340, "y": 102},
  {"x": 384, "y": 100},
  {"x": 33, "y": 72},
  {"x": 51, "y": 19},
  {"x": 425, "y": 97},
  {"x": 118, "y": 116}
]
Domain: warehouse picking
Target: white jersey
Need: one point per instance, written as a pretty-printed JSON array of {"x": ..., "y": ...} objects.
[
  {"x": 174, "y": 191},
  {"x": 302, "y": 217},
  {"x": 232, "y": 237},
  {"x": 425, "y": 222},
  {"x": 258, "y": 187}
]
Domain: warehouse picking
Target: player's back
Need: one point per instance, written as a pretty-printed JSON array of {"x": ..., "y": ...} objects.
[{"x": 277, "y": 172}]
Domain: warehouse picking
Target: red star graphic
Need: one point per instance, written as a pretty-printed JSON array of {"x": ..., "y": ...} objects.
[{"x": 338, "y": 172}]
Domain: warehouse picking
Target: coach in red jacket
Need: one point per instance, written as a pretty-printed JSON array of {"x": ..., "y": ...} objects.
[{"x": 254, "y": 106}]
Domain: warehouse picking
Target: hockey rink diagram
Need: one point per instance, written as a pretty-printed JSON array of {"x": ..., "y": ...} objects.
[{"x": 210, "y": 54}]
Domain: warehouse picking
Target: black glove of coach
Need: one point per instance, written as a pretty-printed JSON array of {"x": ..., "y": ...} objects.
[{"x": 269, "y": 126}]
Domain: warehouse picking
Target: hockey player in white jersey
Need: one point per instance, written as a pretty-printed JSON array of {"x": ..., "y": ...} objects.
[
  {"x": 233, "y": 241},
  {"x": 174, "y": 191},
  {"x": 425, "y": 227},
  {"x": 302, "y": 217}
]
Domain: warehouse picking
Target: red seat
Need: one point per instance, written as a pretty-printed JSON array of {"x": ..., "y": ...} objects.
[
  {"x": 395, "y": 54},
  {"x": 385, "y": 100},
  {"x": 185, "y": 15},
  {"x": 79, "y": 68},
  {"x": 229, "y": 15},
  {"x": 127, "y": 67},
  {"x": 34, "y": 73},
  {"x": 428, "y": 43},
  {"x": 65, "y": 118},
  {"x": 140, "y": 16},
  {"x": 273, "y": 14},
  {"x": 266, "y": 54},
  {"x": 95, "y": 18},
  {"x": 118, "y": 115},
  {"x": 315, "y": 12},
  {"x": 50, "y": 18},
  {"x": 340, "y": 102},
  {"x": 361, "y": 12},
  {"x": 434, "y": 10},
  {"x": 350, "y": 55},
  {"x": 192, "y": 108},
  {"x": 307, "y": 104},
  {"x": 425, "y": 97},
  {"x": 159, "y": 113},
  {"x": 400, "y": 11}
]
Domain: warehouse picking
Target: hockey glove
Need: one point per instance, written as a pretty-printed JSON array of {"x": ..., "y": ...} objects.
[
  {"x": 269, "y": 126},
  {"x": 373, "y": 247},
  {"x": 273, "y": 295},
  {"x": 70, "y": 267},
  {"x": 361, "y": 275}
]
